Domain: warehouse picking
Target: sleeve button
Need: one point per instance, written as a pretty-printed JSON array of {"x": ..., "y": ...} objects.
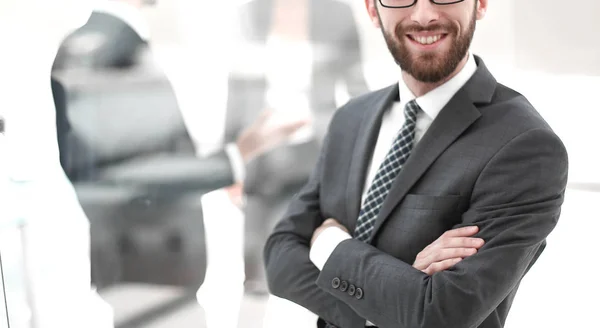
[
  {"x": 335, "y": 283},
  {"x": 344, "y": 286},
  {"x": 351, "y": 290},
  {"x": 359, "y": 293}
]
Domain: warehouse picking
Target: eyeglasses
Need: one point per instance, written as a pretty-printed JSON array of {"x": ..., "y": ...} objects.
[{"x": 410, "y": 3}]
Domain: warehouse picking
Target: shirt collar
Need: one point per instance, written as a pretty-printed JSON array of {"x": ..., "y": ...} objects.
[{"x": 432, "y": 102}]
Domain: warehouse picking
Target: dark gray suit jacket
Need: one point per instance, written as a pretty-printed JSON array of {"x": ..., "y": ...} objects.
[
  {"x": 488, "y": 159},
  {"x": 154, "y": 156}
]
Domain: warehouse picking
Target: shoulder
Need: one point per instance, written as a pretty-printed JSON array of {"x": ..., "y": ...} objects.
[
  {"x": 514, "y": 126},
  {"x": 510, "y": 114},
  {"x": 512, "y": 105}
]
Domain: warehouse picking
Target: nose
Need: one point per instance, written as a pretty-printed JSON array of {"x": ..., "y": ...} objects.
[{"x": 424, "y": 12}]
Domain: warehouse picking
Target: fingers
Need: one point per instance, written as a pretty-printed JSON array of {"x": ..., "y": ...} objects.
[
  {"x": 441, "y": 266},
  {"x": 461, "y": 232},
  {"x": 446, "y": 249},
  {"x": 292, "y": 127},
  {"x": 439, "y": 255},
  {"x": 449, "y": 249},
  {"x": 451, "y": 253},
  {"x": 458, "y": 242},
  {"x": 450, "y": 243}
]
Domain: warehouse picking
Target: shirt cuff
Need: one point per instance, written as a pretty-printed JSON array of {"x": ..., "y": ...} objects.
[
  {"x": 325, "y": 244},
  {"x": 237, "y": 162}
]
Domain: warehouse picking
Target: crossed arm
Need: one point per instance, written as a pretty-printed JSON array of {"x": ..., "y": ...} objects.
[{"x": 515, "y": 204}]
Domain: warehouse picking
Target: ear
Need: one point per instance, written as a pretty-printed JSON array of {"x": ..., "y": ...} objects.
[
  {"x": 372, "y": 11},
  {"x": 482, "y": 6}
]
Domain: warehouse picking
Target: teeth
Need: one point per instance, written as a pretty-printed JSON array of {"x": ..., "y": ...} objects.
[{"x": 428, "y": 39}]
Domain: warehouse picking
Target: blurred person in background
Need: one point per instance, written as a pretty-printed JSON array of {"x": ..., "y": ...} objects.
[
  {"x": 116, "y": 47},
  {"x": 47, "y": 268},
  {"x": 117, "y": 37},
  {"x": 294, "y": 55}
]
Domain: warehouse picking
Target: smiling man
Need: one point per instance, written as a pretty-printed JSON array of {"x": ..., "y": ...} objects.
[{"x": 432, "y": 198}]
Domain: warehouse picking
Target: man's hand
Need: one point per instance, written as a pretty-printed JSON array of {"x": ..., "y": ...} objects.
[
  {"x": 326, "y": 224},
  {"x": 266, "y": 133},
  {"x": 236, "y": 194},
  {"x": 449, "y": 249}
]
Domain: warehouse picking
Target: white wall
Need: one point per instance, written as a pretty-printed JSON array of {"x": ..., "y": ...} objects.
[
  {"x": 494, "y": 37},
  {"x": 558, "y": 36}
]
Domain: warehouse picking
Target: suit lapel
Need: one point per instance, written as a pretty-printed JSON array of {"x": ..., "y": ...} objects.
[
  {"x": 452, "y": 121},
  {"x": 368, "y": 132}
]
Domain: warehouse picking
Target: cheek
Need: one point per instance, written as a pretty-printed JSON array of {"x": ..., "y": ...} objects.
[
  {"x": 397, "y": 22},
  {"x": 387, "y": 20},
  {"x": 389, "y": 26}
]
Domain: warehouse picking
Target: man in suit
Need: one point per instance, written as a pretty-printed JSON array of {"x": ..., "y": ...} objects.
[
  {"x": 320, "y": 38},
  {"x": 439, "y": 229}
]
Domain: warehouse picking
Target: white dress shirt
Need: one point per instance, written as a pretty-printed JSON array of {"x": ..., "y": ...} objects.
[
  {"x": 237, "y": 162},
  {"x": 431, "y": 104}
]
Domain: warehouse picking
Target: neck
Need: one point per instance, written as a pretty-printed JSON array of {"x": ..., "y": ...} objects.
[{"x": 419, "y": 88}]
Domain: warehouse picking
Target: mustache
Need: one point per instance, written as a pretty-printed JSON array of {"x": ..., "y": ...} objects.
[{"x": 415, "y": 28}]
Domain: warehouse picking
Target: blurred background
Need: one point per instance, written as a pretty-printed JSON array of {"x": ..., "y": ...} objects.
[{"x": 156, "y": 101}]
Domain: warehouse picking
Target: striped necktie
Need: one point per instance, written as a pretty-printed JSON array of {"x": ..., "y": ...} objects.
[{"x": 389, "y": 169}]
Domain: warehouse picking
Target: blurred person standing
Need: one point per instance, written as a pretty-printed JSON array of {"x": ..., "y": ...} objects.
[
  {"x": 290, "y": 56},
  {"x": 118, "y": 37}
]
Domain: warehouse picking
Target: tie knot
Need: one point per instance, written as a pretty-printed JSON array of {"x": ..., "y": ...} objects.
[{"x": 411, "y": 110}]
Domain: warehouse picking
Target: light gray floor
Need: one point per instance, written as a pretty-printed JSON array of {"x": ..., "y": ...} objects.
[{"x": 131, "y": 300}]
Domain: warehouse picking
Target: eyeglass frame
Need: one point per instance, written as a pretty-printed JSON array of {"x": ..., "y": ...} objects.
[{"x": 415, "y": 2}]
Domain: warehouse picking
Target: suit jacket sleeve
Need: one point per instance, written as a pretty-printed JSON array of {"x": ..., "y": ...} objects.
[
  {"x": 515, "y": 202},
  {"x": 177, "y": 173},
  {"x": 290, "y": 273}
]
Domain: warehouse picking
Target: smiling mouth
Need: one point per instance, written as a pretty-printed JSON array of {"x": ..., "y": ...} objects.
[{"x": 427, "y": 40}]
